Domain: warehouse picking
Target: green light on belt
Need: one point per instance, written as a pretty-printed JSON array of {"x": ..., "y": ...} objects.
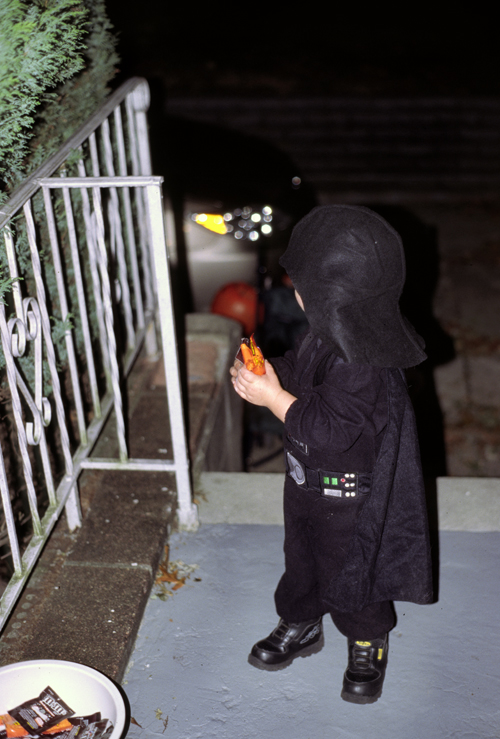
[{"x": 330, "y": 481}]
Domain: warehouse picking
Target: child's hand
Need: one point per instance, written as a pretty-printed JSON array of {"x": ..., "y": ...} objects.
[
  {"x": 264, "y": 390},
  {"x": 233, "y": 371}
]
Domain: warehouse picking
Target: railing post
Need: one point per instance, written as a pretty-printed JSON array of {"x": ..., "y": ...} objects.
[
  {"x": 187, "y": 511},
  {"x": 73, "y": 509},
  {"x": 139, "y": 105}
]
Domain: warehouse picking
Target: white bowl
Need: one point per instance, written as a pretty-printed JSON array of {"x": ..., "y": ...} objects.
[{"x": 83, "y": 689}]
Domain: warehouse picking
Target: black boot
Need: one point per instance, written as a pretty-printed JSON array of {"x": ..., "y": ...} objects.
[
  {"x": 286, "y": 642},
  {"x": 364, "y": 677}
]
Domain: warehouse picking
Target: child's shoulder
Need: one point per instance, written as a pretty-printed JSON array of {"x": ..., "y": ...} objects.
[{"x": 333, "y": 370}]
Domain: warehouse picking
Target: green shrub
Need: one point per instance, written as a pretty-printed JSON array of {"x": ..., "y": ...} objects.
[{"x": 57, "y": 58}]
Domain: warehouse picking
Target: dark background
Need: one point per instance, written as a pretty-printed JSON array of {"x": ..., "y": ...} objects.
[
  {"x": 359, "y": 49},
  {"x": 436, "y": 163}
]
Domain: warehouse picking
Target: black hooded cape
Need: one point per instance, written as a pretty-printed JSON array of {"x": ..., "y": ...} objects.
[
  {"x": 347, "y": 263},
  {"x": 389, "y": 555}
]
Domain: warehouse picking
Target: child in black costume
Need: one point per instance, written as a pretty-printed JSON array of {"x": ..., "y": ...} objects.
[{"x": 356, "y": 534}]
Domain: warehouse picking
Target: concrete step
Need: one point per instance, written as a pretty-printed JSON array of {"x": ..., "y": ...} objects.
[{"x": 463, "y": 503}]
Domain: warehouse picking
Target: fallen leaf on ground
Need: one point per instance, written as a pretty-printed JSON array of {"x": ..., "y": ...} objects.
[
  {"x": 166, "y": 576},
  {"x": 171, "y": 576}
]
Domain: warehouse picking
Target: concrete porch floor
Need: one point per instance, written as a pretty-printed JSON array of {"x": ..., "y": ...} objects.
[{"x": 189, "y": 677}]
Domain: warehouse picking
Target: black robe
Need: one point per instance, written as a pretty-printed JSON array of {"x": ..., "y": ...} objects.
[{"x": 358, "y": 418}]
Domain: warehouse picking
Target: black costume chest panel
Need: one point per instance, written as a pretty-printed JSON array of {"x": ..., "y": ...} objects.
[{"x": 338, "y": 419}]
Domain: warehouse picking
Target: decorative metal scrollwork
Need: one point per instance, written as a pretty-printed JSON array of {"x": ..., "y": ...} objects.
[
  {"x": 17, "y": 334},
  {"x": 20, "y": 331}
]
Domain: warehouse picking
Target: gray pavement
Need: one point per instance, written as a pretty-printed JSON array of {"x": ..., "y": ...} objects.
[{"x": 188, "y": 676}]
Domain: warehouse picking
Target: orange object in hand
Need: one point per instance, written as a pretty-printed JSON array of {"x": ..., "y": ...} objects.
[{"x": 251, "y": 356}]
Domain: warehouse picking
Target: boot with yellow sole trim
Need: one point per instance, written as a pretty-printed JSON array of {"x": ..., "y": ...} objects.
[{"x": 364, "y": 677}]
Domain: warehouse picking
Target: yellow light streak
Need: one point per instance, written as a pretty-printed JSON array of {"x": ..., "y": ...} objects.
[{"x": 212, "y": 221}]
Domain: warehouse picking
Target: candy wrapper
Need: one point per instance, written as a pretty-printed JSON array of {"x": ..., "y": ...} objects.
[
  {"x": 98, "y": 730},
  {"x": 38, "y": 715},
  {"x": 85, "y": 720},
  {"x": 251, "y": 356},
  {"x": 12, "y": 729},
  {"x": 49, "y": 716}
]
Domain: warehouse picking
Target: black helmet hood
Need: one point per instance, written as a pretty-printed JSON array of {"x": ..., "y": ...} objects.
[{"x": 347, "y": 264}]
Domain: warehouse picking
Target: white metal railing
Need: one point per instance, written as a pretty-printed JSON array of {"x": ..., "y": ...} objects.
[{"x": 92, "y": 252}]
